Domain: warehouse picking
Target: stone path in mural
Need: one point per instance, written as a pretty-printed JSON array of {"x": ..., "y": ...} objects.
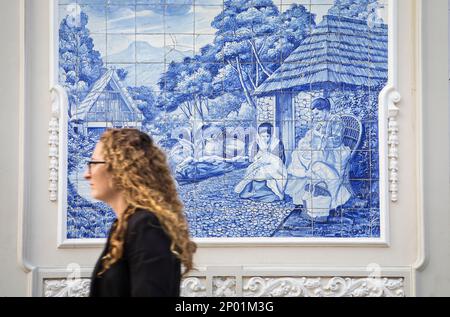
[
  {"x": 208, "y": 217},
  {"x": 214, "y": 210},
  {"x": 354, "y": 223}
]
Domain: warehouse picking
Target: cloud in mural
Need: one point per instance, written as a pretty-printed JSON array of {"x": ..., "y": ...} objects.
[
  {"x": 148, "y": 17},
  {"x": 172, "y": 7}
]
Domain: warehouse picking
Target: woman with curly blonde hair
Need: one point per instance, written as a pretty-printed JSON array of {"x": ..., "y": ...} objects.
[{"x": 149, "y": 240}]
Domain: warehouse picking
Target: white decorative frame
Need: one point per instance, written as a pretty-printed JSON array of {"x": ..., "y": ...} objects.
[
  {"x": 388, "y": 156},
  {"x": 216, "y": 281}
]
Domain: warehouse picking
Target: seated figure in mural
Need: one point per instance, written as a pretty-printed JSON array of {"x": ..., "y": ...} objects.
[
  {"x": 212, "y": 141},
  {"x": 265, "y": 178},
  {"x": 317, "y": 169}
]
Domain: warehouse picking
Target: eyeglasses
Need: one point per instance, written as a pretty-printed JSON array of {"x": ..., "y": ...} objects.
[{"x": 90, "y": 163}]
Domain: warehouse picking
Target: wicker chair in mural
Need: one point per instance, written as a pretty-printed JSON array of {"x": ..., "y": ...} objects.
[{"x": 351, "y": 137}]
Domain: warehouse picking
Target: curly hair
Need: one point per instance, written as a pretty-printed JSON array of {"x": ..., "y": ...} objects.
[{"x": 139, "y": 168}]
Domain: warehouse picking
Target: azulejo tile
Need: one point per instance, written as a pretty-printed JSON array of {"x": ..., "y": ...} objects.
[{"x": 270, "y": 128}]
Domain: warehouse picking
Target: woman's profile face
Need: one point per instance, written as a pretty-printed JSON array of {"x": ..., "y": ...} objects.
[
  {"x": 100, "y": 179},
  {"x": 319, "y": 115},
  {"x": 265, "y": 136}
]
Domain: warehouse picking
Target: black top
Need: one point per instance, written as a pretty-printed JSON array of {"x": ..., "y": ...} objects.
[{"x": 147, "y": 267}]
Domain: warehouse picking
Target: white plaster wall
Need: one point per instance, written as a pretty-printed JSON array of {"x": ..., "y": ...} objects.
[
  {"x": 435, "y": 279},
  {"x": 448, "y": 76},
  {"x": 12, "y": 278},
  {"x": 42, "y": 215}
]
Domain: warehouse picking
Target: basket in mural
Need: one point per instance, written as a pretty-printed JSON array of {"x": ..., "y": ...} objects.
[{"x": 317, "y": 200}]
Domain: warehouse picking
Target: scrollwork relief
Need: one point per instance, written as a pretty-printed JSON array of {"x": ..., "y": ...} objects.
[
  {"x": 66, "y": 288},
  {"x": 323, "y": 287},
  {"x": 224, "y": 286},
  {"x": 259, "y": 286},
  {"x": 193, "y": 287},
  {"x": 59, "y": 104}
]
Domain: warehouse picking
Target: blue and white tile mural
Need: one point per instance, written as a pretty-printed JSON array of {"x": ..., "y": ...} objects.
[{"x": 267, "y": 110}]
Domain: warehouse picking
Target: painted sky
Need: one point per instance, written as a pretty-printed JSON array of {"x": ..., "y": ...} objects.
[
  {"x": 142, "y": 36},
  {"x": 123, "y": 18}
]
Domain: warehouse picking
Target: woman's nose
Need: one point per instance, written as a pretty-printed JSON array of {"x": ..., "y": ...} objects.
[{"x": 87, "y": 175}]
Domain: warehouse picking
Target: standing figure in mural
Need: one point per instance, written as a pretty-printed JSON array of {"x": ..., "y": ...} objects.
[
  {"x": 265, "y": 178},
  {"x": 149, "y": 240},
  {"x": 317, "y": 170}
]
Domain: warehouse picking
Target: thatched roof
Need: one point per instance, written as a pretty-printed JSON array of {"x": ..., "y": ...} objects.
[{"x": 338, "y": 52}]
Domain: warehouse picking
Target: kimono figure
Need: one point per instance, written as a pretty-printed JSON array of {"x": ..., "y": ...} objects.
[
  {"x": 265, "y": 178},
  {"x": 318, "y": 163}
]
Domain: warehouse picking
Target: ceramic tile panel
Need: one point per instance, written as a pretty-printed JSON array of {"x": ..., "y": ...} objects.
[{"x": 267, "y": 110}]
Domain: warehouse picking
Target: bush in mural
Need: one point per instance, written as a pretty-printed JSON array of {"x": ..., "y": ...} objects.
[
  {"x": 145, "y": 100},
  {"x": 217, "y": 84},
  {"x": 86, "y": 219},
  {"x": 359, "y": 9}
]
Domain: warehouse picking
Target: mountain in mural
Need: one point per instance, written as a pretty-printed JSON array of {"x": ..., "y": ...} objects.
[{"x": 150, "y": 62}]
